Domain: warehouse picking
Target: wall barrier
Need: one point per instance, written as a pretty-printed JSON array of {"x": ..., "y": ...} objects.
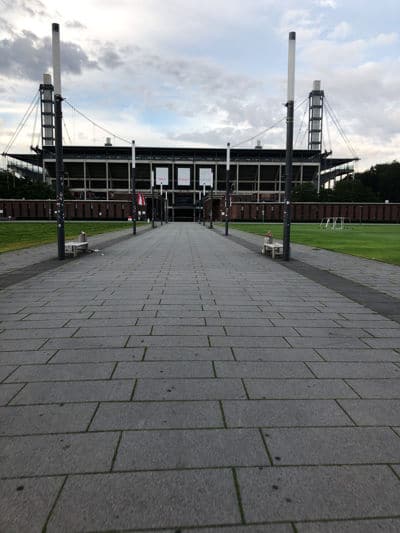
[{"x": 240, "y": 211}]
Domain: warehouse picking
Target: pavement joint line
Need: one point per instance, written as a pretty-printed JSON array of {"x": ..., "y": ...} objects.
[
  {"x": 116, "y": 451},
  {"x": 266, "y": 446},
  {"x": 351, "y": 519},
  {"x": 346, "y": 380},
  {"x": 131, "y": 399},
  {"x": 8, "y": 404},
  {"x": 310, "y": 369},
  {"x": 225, "y": 425},
  {"x": 245, "y": 388},
  {"x": 44, "y": 529},
  {"x": 238, "y": 495},
  {"x": 93, "y": 415},
  {"x": 346, "y": 413},
  {"x": 214, "y": 428}
]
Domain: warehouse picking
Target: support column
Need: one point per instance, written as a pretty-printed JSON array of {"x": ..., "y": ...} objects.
[{"x": 287, "y": 214}]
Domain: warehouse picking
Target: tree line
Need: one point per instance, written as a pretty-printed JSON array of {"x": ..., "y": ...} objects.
[
  {"x": 378, "y": 184},
  {"x": 15, "y": 186}
]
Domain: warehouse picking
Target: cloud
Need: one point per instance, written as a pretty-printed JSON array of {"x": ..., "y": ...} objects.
[
  {"x": 32, "y": 8},
  {"x": 27, "y": 56},
  {"x": 340, "y": 31},
  {"x": 328, "y": 3},
  {"x": 384, "y": 39},
  {"x": 75, "y": 24},
  {"x": 306, "y": 24}
]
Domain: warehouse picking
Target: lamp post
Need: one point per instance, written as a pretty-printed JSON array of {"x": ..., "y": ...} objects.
[
  {"x": 202, "y": 204},
  {"x": 152, "y": 199},
  {"x": 211, "y": 207},
  {"x": 134, "y": 200},
  {"x": 58, "y": 140},
  {"x": 161, "y": 205},
  {"x": 227, "y": 184},
  {"x": 287, "y": 213}
]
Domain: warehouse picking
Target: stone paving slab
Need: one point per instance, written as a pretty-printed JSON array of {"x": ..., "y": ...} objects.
[
  {"x": 355, "y": 370},
  {"x": 376, "y": 388},
  {"x": 178, "y": 353},
  {"x": 300, "y": 389},
  {"x": 34, "y": 419},
  {"x": 85, "y": 342},
  {"x": 189, "y": 389},
  {"x": 319, "y": 492},
  {"x": 361, "y": 355},
  {"x": 157, "y": 415},
  {"x": 75, "y": 391},
  {"x": 98, "y": 355},
  {"x": 258, "y": 413},
  {"x": 332, "y": 446},
  {"x": 144, "y": 500},
  {"x": 162, "y": 370},
  {"x": 60, "y": 372},
  {"x": 22, "y": 357},
  {"x": 172, "y": 340},
  {"x": 373, "y": 412},
  {"x": 26, "y": 503},
  {"x": 276, "y": 354},
  {"x": 57, "y": 454},
  {"x": 262, "y": 370},
  {"x": 156, "y": 450},
  {"x": 251, "y": 342},
  {"x": 353, "y": 526}
]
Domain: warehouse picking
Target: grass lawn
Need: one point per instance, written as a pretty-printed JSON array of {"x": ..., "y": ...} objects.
[
  {"x": 17, "y": 235},
  {"x": 373, "y": 241}
]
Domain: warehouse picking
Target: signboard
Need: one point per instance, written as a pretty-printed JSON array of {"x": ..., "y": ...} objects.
[
  {"x": 184, "y": 176},
  {"x": 162, "y": 176},
  {"x": 206, "y": 177}
]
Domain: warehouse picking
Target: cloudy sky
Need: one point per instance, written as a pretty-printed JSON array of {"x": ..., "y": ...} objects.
[{"x": 205, "y": 72}]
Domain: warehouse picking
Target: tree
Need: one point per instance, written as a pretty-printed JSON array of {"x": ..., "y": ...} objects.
[
  {"x": 14, "y": 186},
  {"x": 353, "y": 190},
  {"x": 384, "y": 180},
  {"x": 305, "y": 192}
]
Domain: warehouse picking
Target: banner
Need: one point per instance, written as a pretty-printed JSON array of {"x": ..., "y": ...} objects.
[
  {"x": 140, "y": 199},
  {"x": 183, "y": 176},
  {"x": 206, "y": 177},
  {"x": 162, "y": 176}
]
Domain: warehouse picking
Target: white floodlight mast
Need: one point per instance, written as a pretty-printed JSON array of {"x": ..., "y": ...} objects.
[{"x": 56, "y": 58}]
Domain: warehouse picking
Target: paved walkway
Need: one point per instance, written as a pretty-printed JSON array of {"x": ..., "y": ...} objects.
[
  {"x": 375, "y": 274},
  {"x": 181, "y": 382}
]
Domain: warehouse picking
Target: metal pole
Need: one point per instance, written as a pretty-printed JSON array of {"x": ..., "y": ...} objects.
[
  {"x": 152, "y": 199},
  {"x": 134, "y": 200},
  {"x": 211, "y": 208},
  {"x": 204, "y": 197},
  {"x": 161, "y": 205},
  {"x": 58, "y": 141},
  {"x": 166, "y": 207},
  {"x": 198, "y": 207},
  {"x": 228, "y": 166},
  {"x": 287, "y": 212}
]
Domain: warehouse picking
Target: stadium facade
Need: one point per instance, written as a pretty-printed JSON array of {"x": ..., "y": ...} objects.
[{"x": 257, "y": 174}]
